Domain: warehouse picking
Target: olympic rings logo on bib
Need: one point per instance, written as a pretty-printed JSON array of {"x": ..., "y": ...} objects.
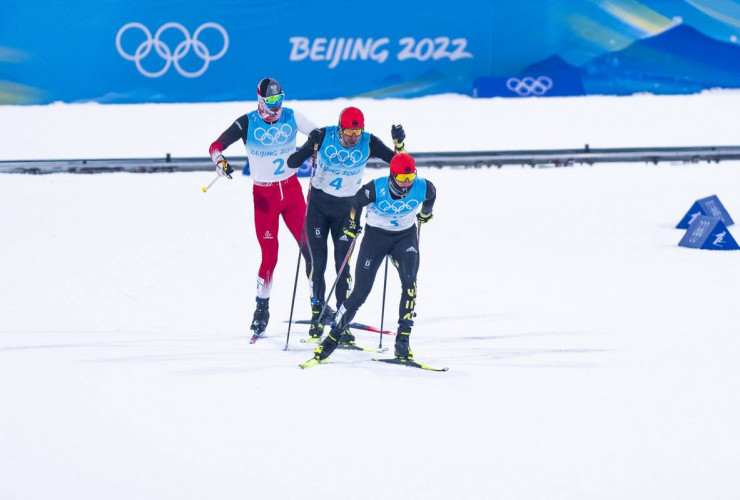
[
  {"x": 342, "y": 157},
  {"x": 398, "y": 206},
  {"x": 170, "y": 56},
  {"x": 273, "y": 135}
]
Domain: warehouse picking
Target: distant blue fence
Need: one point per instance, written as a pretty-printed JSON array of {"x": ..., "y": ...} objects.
[{"x": 194, "y": 51}]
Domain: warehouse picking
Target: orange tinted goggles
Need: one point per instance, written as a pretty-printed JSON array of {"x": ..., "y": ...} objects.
[
  {"x": 352, "y": 131},
  {"x": 405, "y": 177}
]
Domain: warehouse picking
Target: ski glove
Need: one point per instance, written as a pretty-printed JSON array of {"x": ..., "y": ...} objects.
[
  {"x": 398, "y": 136},
  {"x": 424, "y": 218},
  {"x": 223, "y": 168},
  {"x": 352, "y": 228}
]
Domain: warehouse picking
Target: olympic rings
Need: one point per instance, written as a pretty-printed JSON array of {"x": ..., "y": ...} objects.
[
  {"x": 274, "y": 135},
  {"x": 342, "y": 157},
  {"x": 398, "y": 206},
  {"x": 166, "y": 53},
  {"x": 529, "y": 86}
]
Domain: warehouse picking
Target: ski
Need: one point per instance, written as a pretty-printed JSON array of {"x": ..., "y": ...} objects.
[
  {"x": 356, "y": 326},
  {"x": 355, "y": 347},
  {"x": 410, "y": 363},
  {"x": 348, "y": 347},
  {"x": 255, "y": 337},
  {"x": 308, "y": 364},
  {"x": 368, "y": 328}
]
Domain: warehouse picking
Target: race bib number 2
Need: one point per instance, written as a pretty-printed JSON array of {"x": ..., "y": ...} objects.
[{"x": 280, "y": 164}]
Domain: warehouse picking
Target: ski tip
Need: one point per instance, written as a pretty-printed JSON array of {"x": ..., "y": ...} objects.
[{"x": 308, "y": 364}]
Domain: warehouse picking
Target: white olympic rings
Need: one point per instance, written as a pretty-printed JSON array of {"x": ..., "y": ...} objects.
[
  {"x": 274, "y": 135},
  {"x": 529, "y": 86},
  {"x": 343, "y": 157},
  {"x": 166, "y": 53},
  {"x": 398, "y": 206}
]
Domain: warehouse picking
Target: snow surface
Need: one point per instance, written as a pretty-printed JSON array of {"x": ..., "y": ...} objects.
[{"x": 590, "y": 357}]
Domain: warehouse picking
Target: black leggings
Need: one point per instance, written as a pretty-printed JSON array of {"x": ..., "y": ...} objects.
[
  {"x": 403, "y": 249},
  {"x": 327, "y": 215}
]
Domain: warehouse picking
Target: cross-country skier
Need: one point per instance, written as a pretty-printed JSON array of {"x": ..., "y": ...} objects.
[
  {"x": 394, "y": 204},
  {"x": 342, "y": 153},
  {"x": 269, "y": 135}
]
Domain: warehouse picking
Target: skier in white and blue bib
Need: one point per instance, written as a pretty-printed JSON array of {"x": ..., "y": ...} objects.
[
  {"x": 269, "y": 135},
  {"x": 342, "y": 151},
  {"x": 394, "y": 204}
]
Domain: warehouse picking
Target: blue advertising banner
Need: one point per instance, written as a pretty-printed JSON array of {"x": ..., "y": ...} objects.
[{"x": 194, "y": 51}]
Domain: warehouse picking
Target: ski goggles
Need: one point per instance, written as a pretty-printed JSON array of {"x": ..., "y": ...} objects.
[
  {"x": 274, "y": 100},
  {"x": 405, "y": 177},
  {"x": 352, "y": 132}
]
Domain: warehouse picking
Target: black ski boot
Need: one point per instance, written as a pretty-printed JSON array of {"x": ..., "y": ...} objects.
[
  {"x": 328, "y": 345},
  {"x": 347, "y": 339},
  {"x": 328, "y": 317},
  {"x": 316, "y": 330},
  {"x": 403, "y": 350},
  {"x": 261, "y": 316}
]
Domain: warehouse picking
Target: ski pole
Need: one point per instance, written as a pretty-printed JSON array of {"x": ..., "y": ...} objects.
[
  {"x": 292, "y": 302},
  {"x": 385, "y": 277},
  {"x": 339, "y": 273},
  {"x": 206, "y": 188},
  {"x": 303, "y": 238},
  {"x": 382, "y": 309}
]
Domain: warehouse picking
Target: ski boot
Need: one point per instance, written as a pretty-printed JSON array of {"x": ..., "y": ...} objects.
[
  {"x": 328, "y": 345},
  {"x": 347, "y": 340},
  {"x": 316, "y": 330},
  {"x": 261, "y": 316},
  {"x": 328, "y": 317},
  {"x": 403, "y": 350}
]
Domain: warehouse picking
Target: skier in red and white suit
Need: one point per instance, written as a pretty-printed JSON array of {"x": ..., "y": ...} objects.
[{"x": 269, "y": 135}]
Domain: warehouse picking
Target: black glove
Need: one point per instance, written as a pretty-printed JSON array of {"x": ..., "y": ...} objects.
[
  {"x": 223, "y": 168},
  {"x": 398, "y": 134},
  {"x": 424, "y": 218},
  {"x": 352, "y": 228}
]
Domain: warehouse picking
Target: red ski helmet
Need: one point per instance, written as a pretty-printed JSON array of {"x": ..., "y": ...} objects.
[
  {"x": 351, "y": 118},
  {"x": 403, "y": 174},
  {"x": 403, "y": 163},
  {"x": 351, "y": 124}
]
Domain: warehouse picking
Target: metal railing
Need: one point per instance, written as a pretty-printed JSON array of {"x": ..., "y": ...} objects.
[{"x": 470, "y": 159}]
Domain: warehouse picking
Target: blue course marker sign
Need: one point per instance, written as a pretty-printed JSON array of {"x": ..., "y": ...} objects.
[
  {"x": 708, "y": 233},
  {"x": 706, "y": 206}
]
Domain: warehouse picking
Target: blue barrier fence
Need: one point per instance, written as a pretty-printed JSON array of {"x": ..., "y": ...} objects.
[{"x": 195, "y": 51}]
